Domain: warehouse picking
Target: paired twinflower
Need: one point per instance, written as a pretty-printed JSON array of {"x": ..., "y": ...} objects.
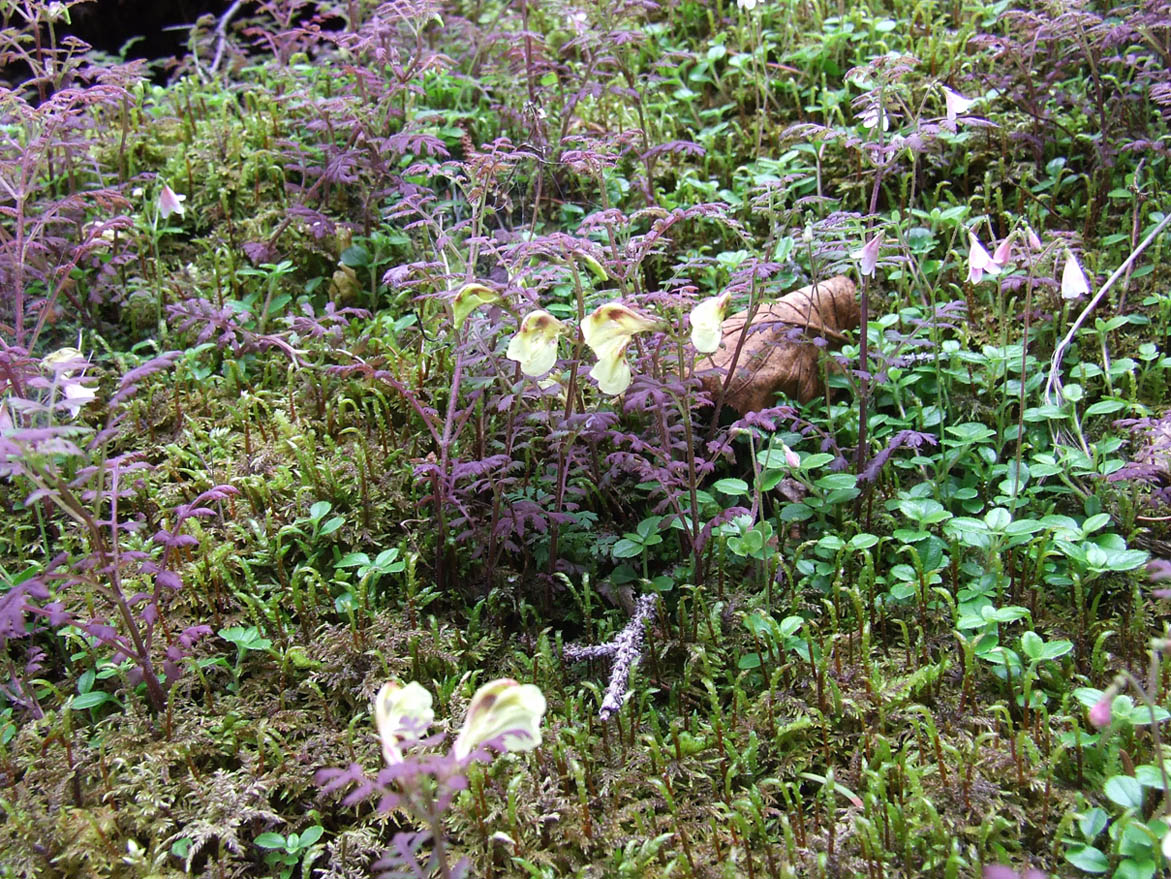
[
  {"x": 501, "y": 710},
  {"x": 981, "y": 263},
  {"x": 1074, "y": 284}
]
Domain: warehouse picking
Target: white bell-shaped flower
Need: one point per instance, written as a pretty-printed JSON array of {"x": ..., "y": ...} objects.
[{"x": 1073, "y": 280}]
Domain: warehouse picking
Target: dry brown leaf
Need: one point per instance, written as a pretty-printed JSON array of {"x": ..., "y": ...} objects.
[{"x": 770, "y": 361}]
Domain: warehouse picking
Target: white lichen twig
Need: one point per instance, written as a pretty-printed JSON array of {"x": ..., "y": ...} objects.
[
  {"x": 221, "y": 33},
  {"x": 1053, "y": 393},
  {"x": 624, "y": 650}
]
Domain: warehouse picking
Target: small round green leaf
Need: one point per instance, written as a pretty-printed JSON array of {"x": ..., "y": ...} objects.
[
  {"x": 1087, "y": 858},
  {"x": 1125, "y": 791},
  {"x": 626, "y": 549},
  {"x": 1092, "y": 823},
  {"x": 731, "y": 486}
]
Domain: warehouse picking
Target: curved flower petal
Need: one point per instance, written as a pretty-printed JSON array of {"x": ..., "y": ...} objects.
[
  {"x": 535, "y": 344},
  {"x": 707, "y": 323},
  {"x": 402, "y": 715},
  {"x": 502, "y": 707},
  {"x": 611, "y": 321},
  {"x": 612, "y": 372},
  {"x": 595, "y": 267},
  {"x": 76, "y": 396},
  {"x": 791, "y": 457},
  {"x": 1003, "y": 252},
  {"x": 63, "y": 360},
  {"x": 468, "y": 299}
]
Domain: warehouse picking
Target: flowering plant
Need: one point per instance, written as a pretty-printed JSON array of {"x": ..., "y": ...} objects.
[
  {"x": 607, "y": 331},
  {"x": 504, "y": 715}
]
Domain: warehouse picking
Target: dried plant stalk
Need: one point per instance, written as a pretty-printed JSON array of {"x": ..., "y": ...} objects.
[{"x": 776, "y": 352}]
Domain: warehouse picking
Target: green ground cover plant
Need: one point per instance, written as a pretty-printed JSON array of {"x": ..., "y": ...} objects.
[{"x": 356, "y": 377}]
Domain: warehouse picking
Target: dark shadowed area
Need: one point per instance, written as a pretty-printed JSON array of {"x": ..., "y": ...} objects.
[{"x": 162, "y": 27}]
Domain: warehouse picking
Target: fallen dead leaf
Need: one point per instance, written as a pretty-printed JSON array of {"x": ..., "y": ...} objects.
[{"x": 776, "y": 354}]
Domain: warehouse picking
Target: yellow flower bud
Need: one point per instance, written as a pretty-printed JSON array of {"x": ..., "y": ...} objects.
[{"x": 468, "y": 299}]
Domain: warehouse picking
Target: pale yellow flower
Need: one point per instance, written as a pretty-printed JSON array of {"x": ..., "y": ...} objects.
[
  {"x": 707, "y": 323},
  {"x": 502, "y": 707},
  {"x": 534, "y": 346},
  {"x": 608, "y": 330},
  {"x": 60, "y": 357},
  {"x": 402, "y": 715}
]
